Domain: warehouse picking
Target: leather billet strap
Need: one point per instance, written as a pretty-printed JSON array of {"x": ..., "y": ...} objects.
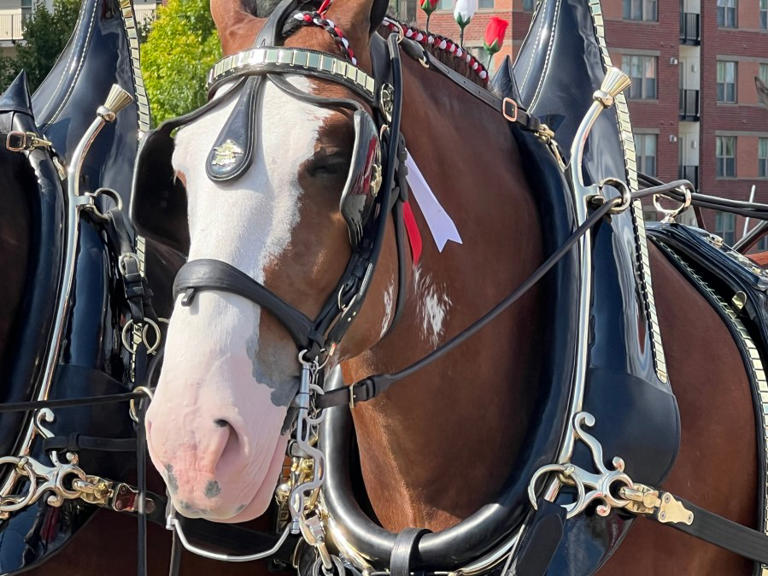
[
  {"x": 680, "y": 514},
  {"x": 509, "y": 108},
  {"x": 403, "y": 551}
]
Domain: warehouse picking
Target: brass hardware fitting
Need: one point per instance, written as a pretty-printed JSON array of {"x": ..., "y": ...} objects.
[
  {"x": 644, "y": 500},
  {"x": 18, "y": 141},
  {"x": 739, "y": 300}
]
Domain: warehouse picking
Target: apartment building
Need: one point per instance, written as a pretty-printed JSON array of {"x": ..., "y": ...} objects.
[
  {"x": 695, "y": 107},
  {"x": 14, "y": 12}
]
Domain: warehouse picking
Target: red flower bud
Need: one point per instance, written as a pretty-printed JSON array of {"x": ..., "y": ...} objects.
[
  {"x": 428, "y": 5},
  {"x": 494, "y": 34}
]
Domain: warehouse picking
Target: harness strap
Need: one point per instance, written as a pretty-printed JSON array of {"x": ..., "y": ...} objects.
[
  {"x": 403, "y": 551},
  {"x": 76, "y": 442},
  {"x": 372, "y": 386},
  {"x": 724, "y": 533},
  {"x": 208, "y": 274},
  {"x": 508, "y": 107},
  {"x": 70, "y": 372},
  {"x": 541, "y": 540}
]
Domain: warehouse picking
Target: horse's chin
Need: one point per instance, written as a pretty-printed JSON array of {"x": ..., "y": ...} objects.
[{"x": 255, "y": 500}]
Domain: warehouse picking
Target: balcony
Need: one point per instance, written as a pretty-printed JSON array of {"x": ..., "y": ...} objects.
[
  {"x": 690, "y": 173},
  {"x": 11, "y": 27},
  {"x": 690, "y": 28},
  {"x": 689, "y": 105}
]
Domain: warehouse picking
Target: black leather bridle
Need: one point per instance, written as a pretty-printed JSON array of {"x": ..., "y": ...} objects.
[{"x": 317, "y": 337}]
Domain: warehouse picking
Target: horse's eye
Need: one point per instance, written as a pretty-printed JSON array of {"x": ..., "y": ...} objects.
[{"x": 328, "y": 163}]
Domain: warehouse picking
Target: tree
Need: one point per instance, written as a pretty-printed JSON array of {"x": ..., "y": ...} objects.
[
  {"x": 45, "y": 35},
  {"x": 181, "y": 47}
]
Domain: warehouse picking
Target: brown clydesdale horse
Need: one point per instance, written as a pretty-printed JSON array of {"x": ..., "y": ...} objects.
[{"x": 216, "y": 427}]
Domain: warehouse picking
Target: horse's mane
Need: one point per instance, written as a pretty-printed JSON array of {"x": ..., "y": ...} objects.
[{"x": 444, "y": 49}]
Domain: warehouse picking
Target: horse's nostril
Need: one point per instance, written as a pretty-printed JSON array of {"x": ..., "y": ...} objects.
[{"x": 221, "y": 423}]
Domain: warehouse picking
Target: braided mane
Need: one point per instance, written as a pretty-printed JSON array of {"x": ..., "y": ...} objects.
[{"x": 444, "y": 49}]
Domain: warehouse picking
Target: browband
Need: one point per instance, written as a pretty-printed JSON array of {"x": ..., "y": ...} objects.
[{"x": 297, "y": 61}]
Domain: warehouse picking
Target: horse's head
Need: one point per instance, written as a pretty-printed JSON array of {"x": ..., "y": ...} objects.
[{"x": 220, "y": 419}]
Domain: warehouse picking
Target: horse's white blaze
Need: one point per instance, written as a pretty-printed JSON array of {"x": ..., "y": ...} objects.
[
  {"x": 214, "y": 426},
  {"x": 432, "y": 306}
]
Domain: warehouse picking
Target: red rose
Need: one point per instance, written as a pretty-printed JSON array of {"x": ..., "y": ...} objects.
[
  {"x": 494, "y": 34},
  {"x": 428, "y": 6}
]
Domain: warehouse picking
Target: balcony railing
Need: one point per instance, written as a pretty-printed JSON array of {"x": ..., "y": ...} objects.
[
  {"x": 690, "y": 28},
  {"x": 690, "y": 173},
  {"x": 689, "y": 105},
  {"x": 11, "y": 27}
]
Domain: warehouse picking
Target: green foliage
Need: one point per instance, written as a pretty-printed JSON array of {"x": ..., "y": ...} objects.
[
  {"x": 181, "y": 47},
  {"x": 45, "y": 34}
]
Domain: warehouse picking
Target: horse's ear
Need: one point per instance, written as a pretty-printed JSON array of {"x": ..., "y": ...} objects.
[
  {"x": 378, "y": 11},
  {"x": 237, "y": 27},
  {"x": 358, "y": 19}
]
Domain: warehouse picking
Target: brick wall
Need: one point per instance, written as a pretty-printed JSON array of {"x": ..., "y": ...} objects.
[
  {"x": 662, "y": 39},
  {"x": 748, "y": 46}
]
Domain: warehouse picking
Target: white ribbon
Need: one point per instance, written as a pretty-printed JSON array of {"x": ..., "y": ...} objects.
[{"x": 440, "y": 223}]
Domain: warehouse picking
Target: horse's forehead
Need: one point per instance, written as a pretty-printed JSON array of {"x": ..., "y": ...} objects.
[
  {"x": 283, "y": 125},
  {"x": 260, "y": 209}
]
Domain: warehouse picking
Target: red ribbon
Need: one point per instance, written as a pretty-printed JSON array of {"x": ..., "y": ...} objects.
[{"x": 414, "y": 236}]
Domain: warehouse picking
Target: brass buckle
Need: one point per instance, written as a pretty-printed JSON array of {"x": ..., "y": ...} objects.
[
  {"x": 18, "y": 141},
  {"x": 125, "y": 498},
  {"x": 644, "y": 500},
  {"x": 510, "y": 117}
]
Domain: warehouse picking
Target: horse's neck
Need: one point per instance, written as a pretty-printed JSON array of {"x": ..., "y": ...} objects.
[{"x": 439, "y": 444}]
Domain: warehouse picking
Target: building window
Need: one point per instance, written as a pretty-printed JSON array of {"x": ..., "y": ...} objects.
[
  {"x": 725, "y": 156},
  {"x": 528, "y": 5},
  {"x": 764, "y": 14},
  {"x": 725, "y": 227},
  {"x": 640, "y": 10},
  {"x": 642, "y": 71},
  {"x": 763, "y": 73},
  {"x": 762, "y": 158},
  {"x": 26, "y": 9},
  {"x": 645, "y": 150},
  {"x": 726, "y": 13},
  {"x": 726, "y": 82}
]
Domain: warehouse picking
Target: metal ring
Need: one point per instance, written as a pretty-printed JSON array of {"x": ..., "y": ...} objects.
[
  {"x": 124, "y": 337},
  {"x": 313, "y": 363},
  {"x": 400, "y": 30},
  {"x": 626, "y": 195},
  {"x": 106, "y": 192},
  {"x": 131, "y": 346},
  {"x": 124, "y": 258},
  {"x": 132, "y": 407},
  {"x": 158, "y": 335}
]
